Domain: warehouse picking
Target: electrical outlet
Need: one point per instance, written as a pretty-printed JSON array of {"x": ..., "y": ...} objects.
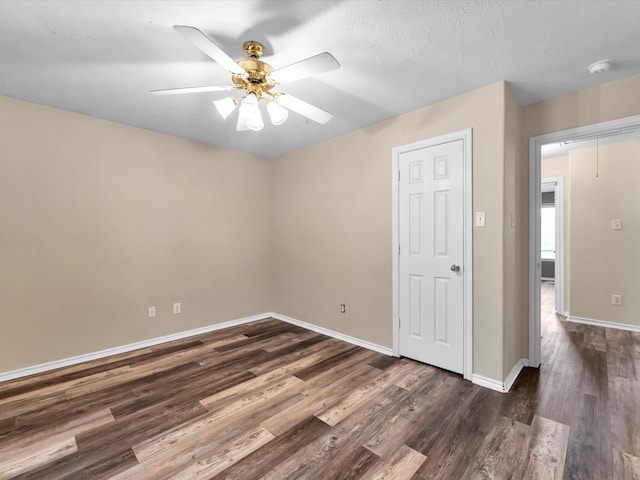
[
  {"x": 177, "y": 308},
  {"x": 616, "y": 224},
  {"x": 343, "y": 308},
  {"x": 151, "y": 311},
  {"x": 616, "y": 299}
]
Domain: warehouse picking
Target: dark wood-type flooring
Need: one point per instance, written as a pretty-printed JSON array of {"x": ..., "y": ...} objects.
[{"x": 269, "y": 400}]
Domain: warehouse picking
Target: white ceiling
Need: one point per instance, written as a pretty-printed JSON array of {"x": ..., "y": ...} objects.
[{"x": 101, "y": 58}]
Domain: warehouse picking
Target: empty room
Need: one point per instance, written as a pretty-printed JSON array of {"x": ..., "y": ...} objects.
[{"x": 348, "y": 239}]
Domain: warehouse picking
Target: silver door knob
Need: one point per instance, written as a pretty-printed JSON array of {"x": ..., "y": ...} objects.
[{"x": 455, "y": 268}]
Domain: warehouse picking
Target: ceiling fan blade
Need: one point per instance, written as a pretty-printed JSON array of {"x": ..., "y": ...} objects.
[
  {"x": 321, "y": 63},
  {"x": 303, "y": 108},
  {"x": 208, "y": 46},
  {"x": 179, "y": 91}
]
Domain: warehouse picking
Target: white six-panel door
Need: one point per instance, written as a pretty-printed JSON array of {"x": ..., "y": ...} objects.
[{"x": 430, "y": 268}]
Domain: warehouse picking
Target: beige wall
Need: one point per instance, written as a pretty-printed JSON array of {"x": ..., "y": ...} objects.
[
  {"x": 515, "y": 238},
  {"x": 100, "y": 220},
  {"x": 605, "y": 261},
  {"x": 599, "y": 104},
  {"x": 333, "y": 224},
  {"x": 559, "y": 167}
]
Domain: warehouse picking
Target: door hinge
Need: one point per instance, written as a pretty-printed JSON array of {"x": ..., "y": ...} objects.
[
  {"x": 398, "y": 249},
  {"x": 398, "y": 175},
  {"x": 399, "y": 322}
]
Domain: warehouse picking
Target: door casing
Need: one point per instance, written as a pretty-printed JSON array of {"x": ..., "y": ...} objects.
[{"x": 466, "y": 136}]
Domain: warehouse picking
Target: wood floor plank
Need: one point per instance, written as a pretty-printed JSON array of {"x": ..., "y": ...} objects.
[
  {"x": 34, "y": 455},
  {"x": 347, "y": 464},
  {"x": 262, "y": 381},
  {"x": 39, "y": 416},
  {"x": 295, "y": 351},
  {"x": 87, "y": 369},
  {"x": 589, "y": 454},
  {"x": 318, "y": 400},
  {"x": 341, "y": 409},
  {"x": 75, "y": 426},
  {"x": 221, "y": 460},
  {"x": 401, "y": 420},
  {"x": 352, "y": 431},
  {"x": 547, "y": 450},
  {"x": 199, "y": 443},
  {"x": 623, "y": 414},
  {"x": 443, "y": 398},
  {"x": 401, "y": 466},
  {"x": 561, "y": 392},
  {"x": 595, "y": 377},
  {"x": 626, "y": 467},
  {"x": 523, "y": 400},
  {"x": 504, "y": 453},
  {"x": 288, "y": 385},
  {"x": 327, "y": 363},
  {"x": 458, "y": 440},
  {"x": 261, "y": 462}
]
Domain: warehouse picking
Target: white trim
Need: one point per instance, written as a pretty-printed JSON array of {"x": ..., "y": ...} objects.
[
  {"x": 331, "y": 333},
  {"x": 487, "y": 382},
  {"x": 65, "y": 362},
  {"x": 535, "y": 143},
  {"x": 466, "y": 136},
  {"x": 605, "y": 323},
  {"x": 508, "y": 382},
  {"x": 513, "y": 374}
]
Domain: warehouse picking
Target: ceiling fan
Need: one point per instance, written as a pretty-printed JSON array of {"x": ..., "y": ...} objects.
[{"x": 256, "y": 80}]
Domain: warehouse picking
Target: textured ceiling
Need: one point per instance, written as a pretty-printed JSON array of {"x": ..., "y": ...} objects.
[{"x": 101, "y": 58}]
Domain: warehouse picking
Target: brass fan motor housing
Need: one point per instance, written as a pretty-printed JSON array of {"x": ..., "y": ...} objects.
[{"x": 256, "y": 80}]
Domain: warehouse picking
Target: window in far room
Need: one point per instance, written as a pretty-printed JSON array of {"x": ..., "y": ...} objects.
[{"x": 548, "y": 232}]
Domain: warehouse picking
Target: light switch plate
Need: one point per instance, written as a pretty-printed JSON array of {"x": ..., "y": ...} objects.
[
  {"x": 616, "y": 224},
  {"x": 481, "y": 218}
]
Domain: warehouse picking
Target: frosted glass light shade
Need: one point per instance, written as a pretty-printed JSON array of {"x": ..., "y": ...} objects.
[
  {"x": 277, "y": 113},
  {"x": 250, "y": 111},
  {"x": 225, "y": 106}
]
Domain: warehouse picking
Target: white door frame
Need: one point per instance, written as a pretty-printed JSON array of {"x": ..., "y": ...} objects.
[
  {"x": 535, "y": 201},
  {"x": 557, "y": 184},
  {"x": 466, "y": 137}
]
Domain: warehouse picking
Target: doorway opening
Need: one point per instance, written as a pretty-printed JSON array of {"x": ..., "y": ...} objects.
[{"x": 541, "y": 147}]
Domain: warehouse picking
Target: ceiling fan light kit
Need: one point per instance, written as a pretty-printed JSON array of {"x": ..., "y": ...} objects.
[{"x": 256, "y": 79}]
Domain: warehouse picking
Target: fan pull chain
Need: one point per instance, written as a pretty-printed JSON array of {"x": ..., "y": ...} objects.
[{"x": 597, "y": 157}]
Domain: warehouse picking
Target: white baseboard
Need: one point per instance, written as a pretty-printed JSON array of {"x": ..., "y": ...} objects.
[
  {"x": 604, "y": 323},
  {"x": 331, "y": 333},
  {"x": 501, "y": 386},
  {"x": 513, "y": 374},
  {"x": 65, "y": 362},
  {"x": 487, "y": 382}
]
